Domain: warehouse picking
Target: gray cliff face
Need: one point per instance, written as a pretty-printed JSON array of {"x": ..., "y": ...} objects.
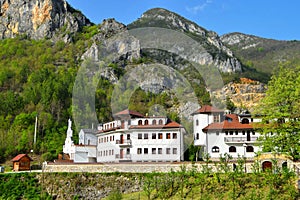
[
  {"x": 112, "y": 44},
  {"x": 217, "y": 53},
  {"x": 243, "y": 41},
  {"x": 38, "y": 19}
]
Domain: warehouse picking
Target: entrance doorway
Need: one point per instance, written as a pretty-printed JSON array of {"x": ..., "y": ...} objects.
[{"x": 267, "y": 165}]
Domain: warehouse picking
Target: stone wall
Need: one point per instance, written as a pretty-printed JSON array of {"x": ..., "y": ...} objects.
[{"x": 131, "y": 167}]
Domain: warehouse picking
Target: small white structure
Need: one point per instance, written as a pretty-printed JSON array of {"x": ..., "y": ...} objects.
[
  {"x": 85, "y": 152},
  {"x": 219, "y": 133},
  {"x": 133, "y": 137}
]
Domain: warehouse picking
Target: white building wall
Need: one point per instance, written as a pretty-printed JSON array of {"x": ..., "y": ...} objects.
[
  {"x": 203, "y": 121},
  {"x": 158, "y": 149},
  {"x": 84, "y": 154},
  {"x": 215, "y": 140},
  {"x": 109, "y": 148}
]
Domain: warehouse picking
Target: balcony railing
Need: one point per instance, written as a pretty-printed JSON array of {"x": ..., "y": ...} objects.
[
  {"x": 123, "y": 142},
  {"x": 240, "y": 139},
  {"x": 123, "y": 157}
]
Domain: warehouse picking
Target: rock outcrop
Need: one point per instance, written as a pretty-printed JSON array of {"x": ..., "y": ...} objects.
[
  {"x": 39, "y": 19},
  {"x": 245, "y": 94},
  {"x": 217, "y": 54}
]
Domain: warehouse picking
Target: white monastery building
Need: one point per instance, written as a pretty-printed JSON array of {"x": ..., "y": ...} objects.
[
  {"x": 219, "y": 133},
  {"x": 131, "y": 137}
]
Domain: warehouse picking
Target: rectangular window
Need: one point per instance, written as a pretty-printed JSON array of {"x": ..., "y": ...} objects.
[
  {"x": 160, "y": 136},
  {"x": 145, "y": 150},
  {"x": 140, "y": 136},
  {"x": 174, "y": 135},
  {"x": 159, "y": 150},
  {"x": 139, "y": 151},
  {"x": 168, "y": 136},
  {"x": 153, "y": 150},
  {"x": 168, "y": 151},
  {"x": 112, "y": 152},
  {"x": 128, "y": 136},
  {"x": 153, "y": 135},
  {"x": 174, "y": 150},
  {"x": 146, "y": 136},
  {"x": 216, "y": 118}
]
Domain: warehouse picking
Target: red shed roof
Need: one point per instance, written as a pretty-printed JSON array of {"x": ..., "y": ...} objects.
[
  {"x": 208, "y": 109},
  {"x": 19, "y": 157}
]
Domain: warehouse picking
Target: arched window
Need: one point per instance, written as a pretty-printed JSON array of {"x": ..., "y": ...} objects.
[
  {"x": 215, "y": 149},
  {"x": 232, "y": 149},
  {"x": 245, "y": 121},
  {"x": 249, "y": 149},
  {"x": 154, "y": 122},
  {"x": 140, "y": 122},
  {"x": 160, "y": 122},
  {"x": 197, "y": 122},
  {"x": 146, "y": 122}
]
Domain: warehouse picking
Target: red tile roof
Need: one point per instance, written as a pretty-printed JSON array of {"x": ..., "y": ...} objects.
[
  {"x": 19, "y": 157},
  {"x": 231, "y": 122},
  {"x": 129, "y": 112},
  {"x": 208, "y": 109}
]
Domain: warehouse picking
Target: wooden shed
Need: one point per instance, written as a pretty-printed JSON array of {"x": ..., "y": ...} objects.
[{"x": 21, "y": 162}]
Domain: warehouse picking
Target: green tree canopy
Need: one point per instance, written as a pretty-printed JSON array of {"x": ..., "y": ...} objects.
[{"x": 280, "y": 111}]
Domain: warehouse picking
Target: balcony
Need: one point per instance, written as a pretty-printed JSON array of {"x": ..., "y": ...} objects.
[
  {"x": 123, "y": 158},
  {"x": 123, "y": 143},
  {"x": 236, "y": 140}
]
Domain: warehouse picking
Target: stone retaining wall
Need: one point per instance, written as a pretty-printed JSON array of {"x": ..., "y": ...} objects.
[{"x": 130, "y": 167}]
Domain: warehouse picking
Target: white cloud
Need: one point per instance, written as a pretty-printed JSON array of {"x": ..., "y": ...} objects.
[{"x": 199, "y": 8}]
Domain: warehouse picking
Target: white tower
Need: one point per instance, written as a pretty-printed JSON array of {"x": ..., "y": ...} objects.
[{"x": 69, "y": 147}]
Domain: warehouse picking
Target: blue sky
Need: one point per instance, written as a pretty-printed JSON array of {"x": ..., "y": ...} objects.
[{"x": 275, "y": 19}]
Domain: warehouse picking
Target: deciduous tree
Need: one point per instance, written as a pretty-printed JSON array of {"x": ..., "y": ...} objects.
[{"x": 280, "y": 111}]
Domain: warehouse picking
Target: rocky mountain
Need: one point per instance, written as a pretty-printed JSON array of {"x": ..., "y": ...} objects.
[
  {"x": 217, "y": 53},
  {"x": 39, "y": 19},
  {"x": 262, "y": 54},
  {"x": 236, "y": 55}
]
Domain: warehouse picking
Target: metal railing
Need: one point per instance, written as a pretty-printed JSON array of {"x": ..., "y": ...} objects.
[
  {"x": 240, "y": 139},
  {"x": 124, "y": 157},
  {"x": 123, "y": 142}
]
